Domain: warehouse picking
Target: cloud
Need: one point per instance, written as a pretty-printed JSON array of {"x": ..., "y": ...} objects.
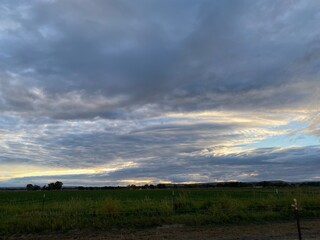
[
  {"x": 107, "y": 83},
  {"x": 263, "y": 164},
  {"x": 211, "y": 55},
  {"x": 174, "y": 144}
]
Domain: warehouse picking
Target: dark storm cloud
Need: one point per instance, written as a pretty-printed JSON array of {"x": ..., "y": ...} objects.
[{"x": 176, "y": 55}]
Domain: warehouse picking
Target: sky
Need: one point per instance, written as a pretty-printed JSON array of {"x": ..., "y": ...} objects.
[{"x": 119, "y": 92}]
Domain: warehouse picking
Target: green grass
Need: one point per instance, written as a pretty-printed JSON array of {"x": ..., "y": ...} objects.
[{"x": 24, "y": 212}]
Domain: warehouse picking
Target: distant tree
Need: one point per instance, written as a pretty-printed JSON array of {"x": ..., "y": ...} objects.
[
  {"x": 58, "y": 185},
  {"x": 29, "y": 187},
  {"x": 53, "y": 186},
  {"x": 36, "y": 187}
]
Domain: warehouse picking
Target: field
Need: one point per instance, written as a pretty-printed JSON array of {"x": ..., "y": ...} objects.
[{"x": 45, "y": 211}]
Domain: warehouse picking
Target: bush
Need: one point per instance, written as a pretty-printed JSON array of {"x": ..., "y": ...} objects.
[
  {"x": 111, "y": 207},
  {"x": 183, "y": 203},
  {"x": 226, "y": 210}
]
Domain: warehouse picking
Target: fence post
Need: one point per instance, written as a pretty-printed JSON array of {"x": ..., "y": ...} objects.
[
  {"x": 43, "y": 199},
  {"x": 173, "y": 202},
  {"x": 296, "y": 213},
  {"x": 277, "y": 193}
]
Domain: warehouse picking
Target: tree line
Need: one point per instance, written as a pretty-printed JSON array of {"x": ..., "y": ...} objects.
[{"x": 51, "y": 186}]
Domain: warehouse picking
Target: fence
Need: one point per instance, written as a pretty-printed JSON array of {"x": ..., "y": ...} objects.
[{"x": 59, "y": 212}]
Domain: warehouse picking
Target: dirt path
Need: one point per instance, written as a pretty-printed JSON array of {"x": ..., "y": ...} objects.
[{"x": 274, "y": 231}]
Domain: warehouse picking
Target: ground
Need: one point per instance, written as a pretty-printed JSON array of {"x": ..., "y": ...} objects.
[{"x": 274, "y": 231}]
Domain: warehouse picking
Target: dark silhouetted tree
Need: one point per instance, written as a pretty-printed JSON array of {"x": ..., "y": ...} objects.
[
  {"x": 36, "y": 187},
  {"x": 29, "y": 187},
  {"x": 53, "y": 186},
  {"x": 58, "y": 185}
]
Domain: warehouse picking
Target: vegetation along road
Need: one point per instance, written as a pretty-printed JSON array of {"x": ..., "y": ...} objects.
[{"x": 157, "y": 212}]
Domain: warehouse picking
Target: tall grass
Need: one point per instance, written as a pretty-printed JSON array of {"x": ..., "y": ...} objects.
[{"x": 22, "y": 212}]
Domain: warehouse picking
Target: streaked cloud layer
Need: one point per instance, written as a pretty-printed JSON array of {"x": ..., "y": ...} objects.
[{"x": 119, "y": 92}]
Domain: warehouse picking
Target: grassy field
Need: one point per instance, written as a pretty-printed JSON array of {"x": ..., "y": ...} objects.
[{"x": 30, "y": 212}]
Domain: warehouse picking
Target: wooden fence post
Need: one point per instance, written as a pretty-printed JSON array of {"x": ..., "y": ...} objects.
[
  {"x": 43, "y": 199},
  {"x": 173, "y": 202},
  {"x": 296, "y": 213}
]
